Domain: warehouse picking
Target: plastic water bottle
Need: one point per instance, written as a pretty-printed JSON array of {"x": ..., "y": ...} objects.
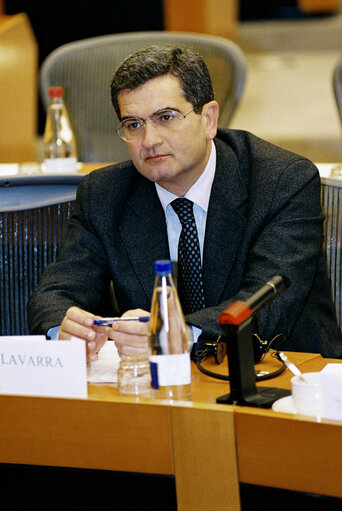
[
  {"x": 168, "y": 339},
  {"x": 59, "y": 141}
]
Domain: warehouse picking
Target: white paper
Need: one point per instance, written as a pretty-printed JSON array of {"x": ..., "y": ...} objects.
[
  {"x": 9, "y": 169},
  {"x": 171, "y": 369},
  {"x": 30, "y": 365},
  {"x": 60, "y": 164},
  {"x": 332, "y": 369},
  {"x": 105, "y": 369},
  {"x": 23, "y": 337},
  {"x": 331, "y": 381}
]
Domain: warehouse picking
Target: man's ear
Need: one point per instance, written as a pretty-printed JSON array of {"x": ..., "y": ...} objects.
[{"x": 210, "y": 113}]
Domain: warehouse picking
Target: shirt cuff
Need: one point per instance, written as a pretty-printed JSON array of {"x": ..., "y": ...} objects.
[
  {"x": 52, "y": 333},
  {"x": 196, "y": 332}
]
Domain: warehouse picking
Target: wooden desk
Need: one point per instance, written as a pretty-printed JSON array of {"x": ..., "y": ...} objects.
[
  {"x": 112, "y": 432},
  {"x": 150, "y": 436},
  {"x": 90, "y": 166},
  {"x": 30, "y": 168},
  {"x": 287, "y": 451},
  {"x": 290, "y": 452}
]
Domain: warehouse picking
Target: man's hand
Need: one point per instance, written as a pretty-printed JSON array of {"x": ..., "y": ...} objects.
[
  {"x": 79, "y": 324},
  {"x": 130, "y": 336}
]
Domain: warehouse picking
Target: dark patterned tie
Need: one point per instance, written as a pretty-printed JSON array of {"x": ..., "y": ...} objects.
[{"x": 189, "y": 280}]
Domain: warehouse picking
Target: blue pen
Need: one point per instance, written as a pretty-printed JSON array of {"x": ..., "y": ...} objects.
[{"x": 110, "y": 321}]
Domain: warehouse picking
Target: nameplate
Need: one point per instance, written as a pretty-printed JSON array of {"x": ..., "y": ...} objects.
[{"x": 31, "y": 365}]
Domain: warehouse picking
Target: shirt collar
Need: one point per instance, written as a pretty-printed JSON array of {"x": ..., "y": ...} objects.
[{"x": 199, "y": 193}]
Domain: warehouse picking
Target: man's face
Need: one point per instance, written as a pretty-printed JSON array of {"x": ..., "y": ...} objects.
[{"x": 174, "y": 158}]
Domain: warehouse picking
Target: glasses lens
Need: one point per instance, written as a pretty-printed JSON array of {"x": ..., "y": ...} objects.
[
  {"x": 166, "y": 118},
  {"x": 130, "y": 129}
]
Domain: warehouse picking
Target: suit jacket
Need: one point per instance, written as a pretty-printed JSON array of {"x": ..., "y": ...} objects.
[{"x": 264, "y": 219}]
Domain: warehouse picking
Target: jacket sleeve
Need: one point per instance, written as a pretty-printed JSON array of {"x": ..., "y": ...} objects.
[{"x": 66, "y": 282}]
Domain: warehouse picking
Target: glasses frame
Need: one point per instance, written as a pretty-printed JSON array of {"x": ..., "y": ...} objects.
[{"x": 179, "y": 115}]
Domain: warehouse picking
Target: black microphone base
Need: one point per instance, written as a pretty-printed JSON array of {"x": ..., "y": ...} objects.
[{"x": 261, "y": 397}]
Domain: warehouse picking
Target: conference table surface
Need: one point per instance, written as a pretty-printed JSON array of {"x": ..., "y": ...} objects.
[{"x": 126, "y": 433}]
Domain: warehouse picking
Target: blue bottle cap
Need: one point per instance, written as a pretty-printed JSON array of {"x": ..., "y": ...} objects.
[{"x": 163, "y": 267}]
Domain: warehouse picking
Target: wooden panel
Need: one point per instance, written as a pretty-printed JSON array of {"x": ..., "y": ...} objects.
[
  {"x": 205, "y": 458},
  {"x": 284, "y": 451},
  {"x": 222, "y": 18},
  {"x": 319, "y": 5},
  {"x": 184, "y": 16},
  {"x": 86, "y": 434},
  {"x": 217, "y": 17},
  {"x": 18, "y": 89}
]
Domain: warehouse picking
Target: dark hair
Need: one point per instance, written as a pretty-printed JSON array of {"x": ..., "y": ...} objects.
[{"x": 154, "y": 61}]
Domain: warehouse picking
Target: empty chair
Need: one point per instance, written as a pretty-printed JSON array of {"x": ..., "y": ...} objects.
[
  {"x": 34, "y": 214},
  {"x": 85, "y": 68}
]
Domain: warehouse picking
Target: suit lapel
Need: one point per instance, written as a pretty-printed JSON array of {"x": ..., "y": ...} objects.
[
  {"x": 143, "y": 230},
  {"x": 225, "y": 225}
]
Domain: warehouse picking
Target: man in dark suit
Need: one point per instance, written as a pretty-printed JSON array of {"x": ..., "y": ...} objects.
[{"x": 256, "y": 206}]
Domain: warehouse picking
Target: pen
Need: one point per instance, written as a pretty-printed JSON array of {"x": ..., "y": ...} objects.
[{"x": 110, "y": 321}]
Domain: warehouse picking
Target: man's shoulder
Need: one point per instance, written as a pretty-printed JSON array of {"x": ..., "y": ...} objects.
[
  {"x": 259, "y": 167},
  {"x": 115, "y": 179},
  {"x": 117, "y": 171},
  {"x": 112, "y": 187},
  {"x": 245, "y": 144},
  {"x": 257, "y": 157}
]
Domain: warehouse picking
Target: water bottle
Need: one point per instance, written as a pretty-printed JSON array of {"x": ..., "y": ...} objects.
[
  {"x": 59, "y": 141},
  {"x": 169, "y": 353}
]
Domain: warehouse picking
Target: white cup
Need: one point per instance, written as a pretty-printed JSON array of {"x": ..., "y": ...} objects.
[{"x": 307, "y": 395}]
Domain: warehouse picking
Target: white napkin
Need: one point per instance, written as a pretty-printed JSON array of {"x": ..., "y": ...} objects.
[{"x": 105, "y": 369}]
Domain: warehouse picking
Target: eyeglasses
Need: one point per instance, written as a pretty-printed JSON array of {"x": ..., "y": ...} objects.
[{"x": 131, "y": 129}]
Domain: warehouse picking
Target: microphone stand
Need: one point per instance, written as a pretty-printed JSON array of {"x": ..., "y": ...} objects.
[{"x": 236, "y": 322}]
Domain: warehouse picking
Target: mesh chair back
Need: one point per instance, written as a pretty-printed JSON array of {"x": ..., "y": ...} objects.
[
  {"x": 331, "y": 199},
  {"x": 337, "y": 84},
  {"x": 85, "y": 68},
  {"x": 33, "y": 220}
]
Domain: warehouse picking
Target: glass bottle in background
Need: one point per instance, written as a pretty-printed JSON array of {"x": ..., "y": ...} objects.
[
  {"x": 59, "y": 141},
  {"x": 168, "y": 339}
]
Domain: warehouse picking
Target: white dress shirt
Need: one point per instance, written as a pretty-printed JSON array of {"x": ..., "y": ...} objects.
[{"x": 199, "y": 194}]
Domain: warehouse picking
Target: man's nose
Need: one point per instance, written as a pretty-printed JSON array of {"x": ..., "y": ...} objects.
[{"x": 151, "y": 135}]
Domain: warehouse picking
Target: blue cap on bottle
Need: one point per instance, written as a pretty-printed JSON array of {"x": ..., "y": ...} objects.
[{"x": 163, "y": 267}]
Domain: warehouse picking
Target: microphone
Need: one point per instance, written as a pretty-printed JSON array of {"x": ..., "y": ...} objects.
[
  {"x": 270, "y": 290},
  {"x": 237, "y": 326},
  {"x": 240, "y": 310}
]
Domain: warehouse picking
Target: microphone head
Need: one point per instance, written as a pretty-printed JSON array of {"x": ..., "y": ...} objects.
[
  {"x": 280, "y": 283},
  {"x": 287, "y": 281}
]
